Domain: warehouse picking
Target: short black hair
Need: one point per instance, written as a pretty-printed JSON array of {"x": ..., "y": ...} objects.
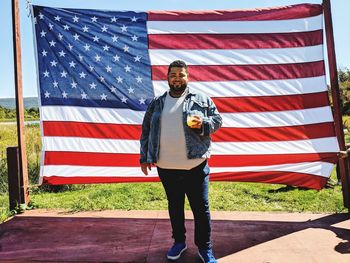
[{"x": 177, "y": 64}]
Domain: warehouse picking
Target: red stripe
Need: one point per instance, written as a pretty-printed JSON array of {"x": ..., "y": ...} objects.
[
  {"x": 57, "y": 180},
  {"x": 132, "y": 160},
  {"x": 289, "y": 178},
  {"x": 247, "y": 72},
  {"x": 224, "y": 134},
  {"x": 235, "y": 41},
  {"x": 272, "y": 103},
  {"x": 276, "y": 13},
  {"x": 300, "y": 132},
  {"x": 92, "y": 130}
]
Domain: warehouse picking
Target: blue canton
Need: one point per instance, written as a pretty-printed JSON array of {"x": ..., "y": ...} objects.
[{"x": 93, "y": 58}]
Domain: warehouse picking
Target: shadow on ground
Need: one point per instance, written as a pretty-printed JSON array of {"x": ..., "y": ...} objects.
[{"x": 84, "y": 239}]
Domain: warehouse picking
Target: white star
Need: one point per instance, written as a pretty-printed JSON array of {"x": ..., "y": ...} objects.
[
  {"x": 106, "y": 48},
  {"x": 81, "y": 57},
  {"x": 83, "y": 95},
  {"x": 104, "y": 28},
  {"x": 114, "y": 19},
  {"x": 63, "y": 74},
  {"x": 74, "y": 85},
  {"x": 50, "y": 26},
  {"x": 47, "y": 94},
  {"x": 55, "y": 84},
  {"x": 41, "y": 16},
  {"x": 75, "y": 19},
  {"x": 133, "y": 19},
  {"x": 72, "y": 64},
  {"x": 103, "y": 96},
  {"x": 60, "y": 36},
  {"x": 108, "y": 68},
  {"x": 116, "y": 58},
  {"x": 85, "y": 29},
  {"x": 115, "y": 38},
  {"x": 82, "y": 75},
  {"x": 137, "y": 58},
  {"x": 44, "y": 53},
  {"x": 124, "y": 99},
  {"x": 124, "y": 28},
  {"x": 53, "y": 63},
  {"x": 139, "y": 79},
  {"x": 94, "y": 19},
  {"x": 134, "y": 38},
  {"x": 92, "y": 85},
  {"x": 35, "y": 21},
  {"x": 96, "y": 38},
  {"x": 114, "y": 90},
  {"x": 97, "y": 58},
  {"x": 87, "y": 47},
  {"x": 126, "y": 48},
  {"x": 57, "y": 18},
  {"x": 66, "y": 27},
  {"x": 142, "y": 100},
  {"x": 119, "y": 79},
  {"x": 102, "y": 79},
  {"x": 42, "y": 33},
  {"x": 131, "y": 90},
  {"x": 76, "y": 36},
  {"x": 46, "y": 74},
  {"x": 127, "y": 68},
  {"x": 64, "y": 94},
  {"x": 52, "y": 43},
  {"x": 62, "y": 53},
  {"x": 70, "y": 46},
  {"x": 91, "y": 68}
]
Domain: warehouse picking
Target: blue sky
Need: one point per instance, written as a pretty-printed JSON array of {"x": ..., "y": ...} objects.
[{"x": 339, "y": 12}]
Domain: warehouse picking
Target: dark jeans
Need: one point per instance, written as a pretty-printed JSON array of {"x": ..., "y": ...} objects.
[{"x": 193, "y": 183}]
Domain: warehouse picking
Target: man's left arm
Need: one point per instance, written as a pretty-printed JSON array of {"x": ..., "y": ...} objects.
[{"x": 213, "y": 121}]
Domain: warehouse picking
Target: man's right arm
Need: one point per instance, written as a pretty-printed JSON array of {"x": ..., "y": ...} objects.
[{"x": 145, "y": 132}]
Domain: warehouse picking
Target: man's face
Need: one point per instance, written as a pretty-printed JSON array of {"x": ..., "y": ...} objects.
[{"x": 177, "y": 79}]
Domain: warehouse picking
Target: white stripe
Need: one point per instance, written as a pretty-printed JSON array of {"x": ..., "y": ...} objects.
[
  {"x": 242, "y": 120},
  {"x": 327, "y": 144},
  {"x": 235, "y": 27},
  {"x": 277, "y": 118},
  {"x": 251, "y": 88},
  {"x": 313, "y": 168},
  {"x": 237, "y": 56},
  {"x": 90, "y": 114},
  {"x": 320, "y": 145}
]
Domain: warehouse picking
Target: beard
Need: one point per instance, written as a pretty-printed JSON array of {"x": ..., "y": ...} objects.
[{"x": 177, "y": 88}]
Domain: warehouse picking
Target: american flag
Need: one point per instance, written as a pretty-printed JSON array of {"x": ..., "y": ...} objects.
[{"x": 263, "y": 68}]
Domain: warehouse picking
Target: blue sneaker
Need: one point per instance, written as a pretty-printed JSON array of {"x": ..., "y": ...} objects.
[
  {"x": 207, "y": 256},
  {"x": 176, "y": 250}
]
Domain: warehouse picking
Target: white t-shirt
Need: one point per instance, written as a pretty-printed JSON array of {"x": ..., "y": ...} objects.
[{"x": 172, "y": 152}]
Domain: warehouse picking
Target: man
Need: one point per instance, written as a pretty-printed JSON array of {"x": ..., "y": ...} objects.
[{"x": 176, "y": 137}]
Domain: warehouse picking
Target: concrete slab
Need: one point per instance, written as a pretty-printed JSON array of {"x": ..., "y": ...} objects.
[{"x": 144, "y": 236}]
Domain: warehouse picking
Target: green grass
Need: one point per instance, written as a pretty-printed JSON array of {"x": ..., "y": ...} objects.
[{"x": 224, "y": 196}]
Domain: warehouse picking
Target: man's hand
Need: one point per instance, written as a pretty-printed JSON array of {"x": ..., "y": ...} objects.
[
  {"x": 196, "y": 122},
  {"x": 144, "y": 167}
]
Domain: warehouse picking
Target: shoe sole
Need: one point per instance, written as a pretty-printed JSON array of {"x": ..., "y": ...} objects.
[
  {"x": 178, "y": 256},
  {"x": 200, "y": 256}
]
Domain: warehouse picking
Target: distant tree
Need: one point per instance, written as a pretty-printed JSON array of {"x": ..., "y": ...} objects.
[{"x": 344, "y": 86}]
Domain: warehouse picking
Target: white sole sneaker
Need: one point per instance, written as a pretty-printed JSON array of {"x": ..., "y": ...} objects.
[
  {"x": 178, "y": 256},
  {"x": 200, "y": 256}
]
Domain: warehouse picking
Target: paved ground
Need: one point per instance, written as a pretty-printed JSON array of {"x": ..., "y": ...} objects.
[{"x": 143, "y": 236}]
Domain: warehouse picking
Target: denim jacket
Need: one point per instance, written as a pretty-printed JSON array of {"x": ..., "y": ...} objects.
[{"x": 197, "y": 140}]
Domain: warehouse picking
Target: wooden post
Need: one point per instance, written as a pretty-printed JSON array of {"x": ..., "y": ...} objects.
[
  {"x": 13, "y": 177},
  {"x": 23, "y": 167},
  {"x": 337, "y": 107}
]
